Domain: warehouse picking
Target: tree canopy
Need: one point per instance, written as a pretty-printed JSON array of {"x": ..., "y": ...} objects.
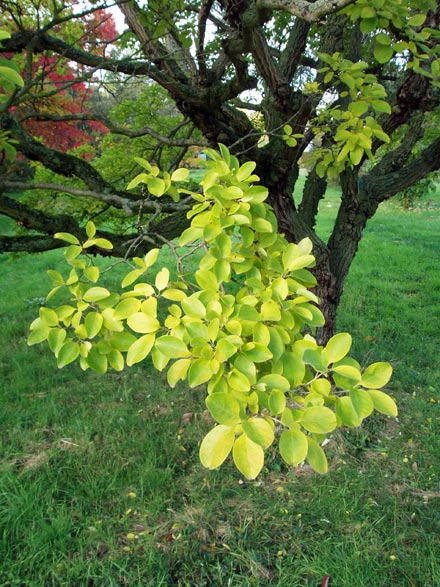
[{"x": 351, "y": 86}]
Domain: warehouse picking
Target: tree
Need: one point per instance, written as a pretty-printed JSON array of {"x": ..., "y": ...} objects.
[
  {"x": 57, "y": 93},
  {"x": 352, "y": 81}
]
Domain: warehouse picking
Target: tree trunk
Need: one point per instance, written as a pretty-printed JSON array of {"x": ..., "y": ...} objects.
[
  {"x": 355, "y": 209},
  {"x": 329, "y": 295}
]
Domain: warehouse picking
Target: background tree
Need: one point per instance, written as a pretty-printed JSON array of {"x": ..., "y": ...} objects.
[
  {"x": 356, "y": 81},
  {"x": 58, "y": 90}
]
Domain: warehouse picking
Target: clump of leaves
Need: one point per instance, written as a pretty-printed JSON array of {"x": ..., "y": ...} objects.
[{"x": 267, "y": 380}]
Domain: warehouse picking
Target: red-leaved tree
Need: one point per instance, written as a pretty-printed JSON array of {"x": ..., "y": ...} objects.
[{"x": 56, "y": 104}]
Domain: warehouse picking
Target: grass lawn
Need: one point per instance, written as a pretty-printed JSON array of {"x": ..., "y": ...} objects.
[{"x": 100, "y": 484}]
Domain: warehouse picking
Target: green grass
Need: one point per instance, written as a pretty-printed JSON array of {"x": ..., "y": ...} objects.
[{"x": 100, "y": 483}]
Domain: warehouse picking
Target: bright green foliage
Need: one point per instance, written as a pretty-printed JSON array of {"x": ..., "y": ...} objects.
[
  {"x": 398, "y": 35},
  {"x": 356, "y": 126},
  {"x": 379, "y": 16},
  {"x": 10, "y": 80},
  {"x": 239, "y": 327},
  {"x": 291, "y": 139}
]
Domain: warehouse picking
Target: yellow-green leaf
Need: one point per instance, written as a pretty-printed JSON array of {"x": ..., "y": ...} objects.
[
  {"x": 293, "y": 447},
  {"x": 262, "y": 225},
  {"x": 381, "y": 106},
  {"x": 48, "y": 316},
  {"x": 90, "y": 229},
  {"x": 256, "y": 353},
  {"x": 55, "y": 339},
  {"x": 116, "y": 360},
  {"x": 319, "y": 420},
  {"x": 64, "y": 312},
  {"x": 348, "y": 371},
  {"x": 95, "y": 294},
  {"x": 93, "y": 323},
  {"x": 199, "y": 372},
  {"x": 122, "y": 341},
  {"x": 245, "y": 170},
  {"x": 277, "y": 402},
  {"x": 207, "y": 280},
  {"x": 56, "y": 277},
  {"x": 259, "y": 430},
  {"x": 67, "y": 237},
  {"x": 248, "y": 456},
  {"x": 337, "y": 347},
  {"x": 72, "y": 252},
  {"x": 383, "y": 403},
  {"x": 162, "y": 279},
  {"x": 143, "y": 324},
  {"x": 97, "y": 361},
  {"x": 193, "y": 307},
  {"x": 316, "y": 456},
  {"x": 376, "y": 375},
  {"x": 38, "y": 333},
  {"x": 180, "y": 174},
  {"x": 362, "y": 402},
  {"x": 141, "y": 178},
  {"x": 270, "y": 311},
  {"x": 238, "y": 381},
  {"x": 417, "y": 20},
  {"x": 346, "y": 412},
  {"x": 178, "y": 371},
  {"x": 172, "y": 347},
  {"x": 356, "y": 155},
  {"x": 103, "y": 243},
  {"x": 382, "y": 53},
  {"x": 151, "y": 257},
  {"x": 274, "y": 381},
  {"x": 11, "y": 76},
  {"x": 316, "y": 358},
  {"x": 131, "y": 277},
  {"x": 256, "y": 194},
  {"x": 156, "y": 186},
  {"x": 224, "y": 408},
  {"x": 110, "y": 321},
  {"x": 321, "y": 386},
  {"x": 92, "y": 273},
  {"x": 216, "y": 446},
  {"x": 225, "y": 349},
  {"x": 126, "y": 308},
  {"x": 173, "y": 294},
  {"x": 359, "y": 107},
  {"x": 140, "y": 349},
  {"x": 67, "y": 353},
  {"x": 190, "y": 235}
]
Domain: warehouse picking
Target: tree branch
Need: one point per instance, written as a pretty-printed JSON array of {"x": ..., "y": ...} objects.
[
  {"x": 119, "y": 130},
  {"x": 267, "y": 66},
  {"x": 133, "y": 243},
  {"x": 308, "y": 11},
  {"x": 293, "y": 54},
  {"x": 153, "y": 48},
  {"x": 18, "y": 42},
  {"x": 28, "y": 244},
  {"x": 201, "y": 33},
  {"x": 114, "y": 200},
  {"x": 384, "y": 186}
]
